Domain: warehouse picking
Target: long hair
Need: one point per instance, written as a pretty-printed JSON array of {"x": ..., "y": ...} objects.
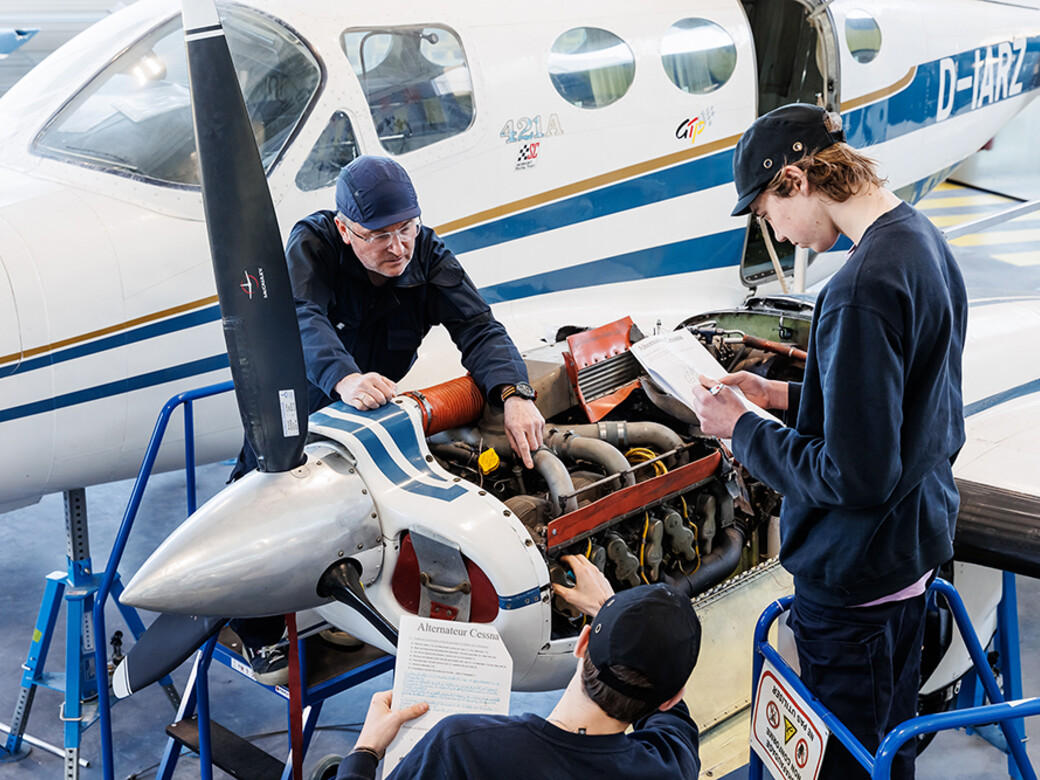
[{"x": 837, "y": 172}]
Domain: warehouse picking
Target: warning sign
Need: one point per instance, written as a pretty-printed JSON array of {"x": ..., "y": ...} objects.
[{"x": 788, "y": 736}]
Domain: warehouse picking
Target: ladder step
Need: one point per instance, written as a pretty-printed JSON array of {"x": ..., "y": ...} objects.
[{"x": 236, "y": 756}]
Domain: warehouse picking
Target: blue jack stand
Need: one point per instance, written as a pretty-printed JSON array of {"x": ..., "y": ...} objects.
[
  {"x": 1007, "y": 714},
  {"x": 1009, "y": 665},
  {"x": 79, "y": 682}
]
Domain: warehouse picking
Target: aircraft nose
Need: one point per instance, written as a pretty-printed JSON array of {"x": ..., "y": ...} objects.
[{"x": 261, "y": 545}]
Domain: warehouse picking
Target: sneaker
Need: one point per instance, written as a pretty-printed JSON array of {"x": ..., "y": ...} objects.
[
  {"x": 270, "y": 664},
  {"x": 340, "y": 638}
]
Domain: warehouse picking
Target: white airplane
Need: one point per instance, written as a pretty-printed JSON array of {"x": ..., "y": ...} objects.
[{"x": 577, "y": 158}]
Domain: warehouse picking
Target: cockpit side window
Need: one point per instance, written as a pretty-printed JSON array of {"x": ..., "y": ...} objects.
[
  {"x": 335, "y": 147},
  {"x": 134, "y": 118},
  {"x": 416, "y": 81}
]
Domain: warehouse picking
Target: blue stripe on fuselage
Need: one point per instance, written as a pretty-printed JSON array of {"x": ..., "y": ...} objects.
[
  {"x": 693, "y": 176},
  {"x": 696, "y": 254},
  {"x": 932, "y": 96},
  {"x": 1002, "y": 397},
  {"x": 390, "y": 417},
  {"x": 128, "y": 336},
  {"x": 119, "y": 387}
]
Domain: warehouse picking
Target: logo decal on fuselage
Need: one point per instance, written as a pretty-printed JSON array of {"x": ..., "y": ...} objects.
[
  {"x": 691, "y": 128},
  {"x": 528, "y": 156}
]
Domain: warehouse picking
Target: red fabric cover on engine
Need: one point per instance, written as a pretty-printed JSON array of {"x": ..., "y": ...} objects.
[{"x": 405, "y": 584}]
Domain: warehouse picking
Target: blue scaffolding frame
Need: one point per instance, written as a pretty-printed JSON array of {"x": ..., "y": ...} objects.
[
  {"x": 1008, "y": 714},
  {"x": 304, "y": 701}
]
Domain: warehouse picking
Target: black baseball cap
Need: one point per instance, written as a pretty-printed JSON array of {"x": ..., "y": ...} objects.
[
  {"x": 375, "y": 192},
  {"x": 781, "y": 137},
  {"x": 651, "y": 629}
]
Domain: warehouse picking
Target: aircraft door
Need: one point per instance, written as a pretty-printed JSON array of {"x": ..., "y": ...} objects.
[
  {"x": 796, "y": 62},
  {"x": 10, "y": 333}
]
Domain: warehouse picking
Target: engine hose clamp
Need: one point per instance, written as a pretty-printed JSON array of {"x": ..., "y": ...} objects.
[{"x": 424, "y": 405}]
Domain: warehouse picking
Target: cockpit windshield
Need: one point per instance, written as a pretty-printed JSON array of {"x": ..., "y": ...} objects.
[{"x": 134, "y": 117}]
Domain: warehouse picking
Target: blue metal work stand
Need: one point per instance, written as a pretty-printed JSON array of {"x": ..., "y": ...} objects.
[
  {"x": 76, "y": 588},
  {"x": 1008, "y": 715},
  {"x": 312, "y": 679},
  {"x": 1009, "y": 662},
  {"x": 308, "y": 688}
]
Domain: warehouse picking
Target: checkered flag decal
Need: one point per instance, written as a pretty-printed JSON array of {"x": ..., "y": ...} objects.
[{"x": 527, "y": 152}]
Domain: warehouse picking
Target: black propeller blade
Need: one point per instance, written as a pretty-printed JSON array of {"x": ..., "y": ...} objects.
[
  {"x": 343, "y": 583},
  {"x": 164, "y": 646},
  {"x": 256, "y": 301}
]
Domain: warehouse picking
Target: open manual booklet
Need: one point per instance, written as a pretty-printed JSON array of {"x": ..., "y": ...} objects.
[
  {"x": 453, "y": 667},
  {"x": 676, "y": 360}
]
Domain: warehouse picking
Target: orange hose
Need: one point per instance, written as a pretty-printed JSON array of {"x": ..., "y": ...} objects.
[
  {"x": 448, "y": 405},
  {"x": 772, "y": 346}
]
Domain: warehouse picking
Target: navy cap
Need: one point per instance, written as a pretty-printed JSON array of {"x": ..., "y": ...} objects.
[
  {"x": 374, "y": 192},
  {"x": 781, "y": 137},
  {"x": 651, "y": 629}
]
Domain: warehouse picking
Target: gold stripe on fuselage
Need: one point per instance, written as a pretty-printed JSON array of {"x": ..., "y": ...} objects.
[
  {"x": 870, "y": 97},
  {"x": 592, "y": 183},
  {"x": 159, "y": 315},
  {"x": 487, "y": 215}
]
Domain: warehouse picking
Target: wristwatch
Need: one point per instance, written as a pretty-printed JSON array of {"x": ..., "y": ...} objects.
[{"x": 520, "y": 390}]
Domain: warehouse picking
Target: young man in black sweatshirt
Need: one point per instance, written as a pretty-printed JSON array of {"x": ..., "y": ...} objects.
[
  {"x": 865, "y": 462},
  {"x": 633, "y": 662}
]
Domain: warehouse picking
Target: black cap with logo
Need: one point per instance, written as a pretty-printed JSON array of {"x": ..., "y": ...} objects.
[{"x": 781, "y": 137}]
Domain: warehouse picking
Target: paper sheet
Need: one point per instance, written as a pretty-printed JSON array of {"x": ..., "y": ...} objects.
[
  {"x": 453, "y": 667},
  {"x": 676, "y": 360}
]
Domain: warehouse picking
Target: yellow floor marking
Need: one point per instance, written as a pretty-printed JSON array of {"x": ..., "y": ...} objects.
[
  {"x": 957, "y": 202},
  {"x": 945, "y": 220},
  {"x": 1021, "y": 258},
  {"x": 992, "y": 237}
]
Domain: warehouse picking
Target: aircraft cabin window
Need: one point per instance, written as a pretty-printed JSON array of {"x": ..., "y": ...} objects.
[
  {"x": 698, "y": 55},
  {"x": 590, "y": 67},
  {"x": 862, "y": 35},
  {"x": 134, "y": 118},
  {"x": 416, "y": 81},
  {"x": 335, "y": 147}
]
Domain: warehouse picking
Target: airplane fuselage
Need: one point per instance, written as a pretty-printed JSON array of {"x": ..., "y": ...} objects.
[{"x": 581, "y": 171}]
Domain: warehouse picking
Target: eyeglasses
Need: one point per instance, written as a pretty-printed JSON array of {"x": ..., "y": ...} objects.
[{"x": 406, "y": 232}]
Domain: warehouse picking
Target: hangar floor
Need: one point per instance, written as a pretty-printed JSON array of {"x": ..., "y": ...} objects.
[{"x": 32, "y": 545}]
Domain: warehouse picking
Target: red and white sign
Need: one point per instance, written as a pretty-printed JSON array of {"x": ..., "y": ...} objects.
[{"x": 788, "y": 736}]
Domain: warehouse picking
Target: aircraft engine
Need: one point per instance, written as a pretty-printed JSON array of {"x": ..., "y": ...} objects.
[
  {"x": 640, "y": 491},
  {"x": 419, "y": 507}
]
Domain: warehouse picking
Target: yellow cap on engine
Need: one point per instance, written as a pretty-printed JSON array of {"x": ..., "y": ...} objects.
[{"x": 488, "y": 461}]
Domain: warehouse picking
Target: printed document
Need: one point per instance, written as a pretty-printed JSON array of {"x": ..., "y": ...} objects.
[
  {"x": 453, "y": 667},
  {"x": 676, "y": 360}
]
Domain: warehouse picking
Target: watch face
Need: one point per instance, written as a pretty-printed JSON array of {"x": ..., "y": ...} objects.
[{"x": 524, "y": 390}]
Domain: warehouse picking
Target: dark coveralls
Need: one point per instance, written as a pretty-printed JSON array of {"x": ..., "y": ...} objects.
[
  {"x": 866, "y": 473},
  {"x": 349, "y": 325}
]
